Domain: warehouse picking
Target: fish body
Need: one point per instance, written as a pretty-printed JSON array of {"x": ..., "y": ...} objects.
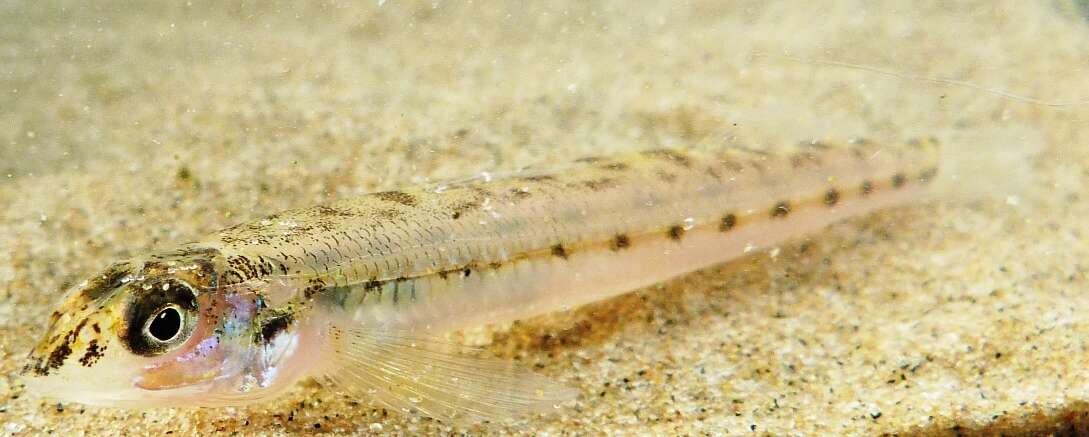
[{"x": 358, "y": 293}]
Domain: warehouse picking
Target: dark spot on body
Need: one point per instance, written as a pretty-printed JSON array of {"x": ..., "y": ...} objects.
[
  {"x": 559, "y": 251},
  {"x": 244, "y": 266},
  {"x": 898, "y": 180},
  {"x": 675, "y": 232},
  {"x": 589, "y": 159},
  {"x": 831, "y": 198},
  {"x": 621, "y": 241},
  {"x": 315, "y": 286},
  {"x": 867, "y": 188},
  {"x": 398, "y": 197},
  {"x": 468, "y": 271},
  {"x": 728, "y": 222},
  {"x": 274, "y": 325},
  {"x": 665, "y": 176},
  {"x": 781, "y": 209}
]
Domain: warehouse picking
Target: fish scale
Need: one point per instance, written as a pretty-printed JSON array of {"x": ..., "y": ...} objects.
[{"x": 564, "y": 225}]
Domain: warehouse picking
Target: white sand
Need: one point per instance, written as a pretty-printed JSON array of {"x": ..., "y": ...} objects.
[{"x": 125, "y": 127}]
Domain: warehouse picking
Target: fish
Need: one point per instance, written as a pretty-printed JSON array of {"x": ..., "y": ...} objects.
[{"x": 360, "y": 294}]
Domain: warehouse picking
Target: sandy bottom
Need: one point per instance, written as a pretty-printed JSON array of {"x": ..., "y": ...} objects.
[{"x": 126, "y": 127}]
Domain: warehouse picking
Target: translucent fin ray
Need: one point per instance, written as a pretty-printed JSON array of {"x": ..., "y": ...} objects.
[{"x": 410, "y": 371}]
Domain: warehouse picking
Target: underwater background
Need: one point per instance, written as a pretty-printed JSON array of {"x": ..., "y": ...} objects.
[{"x": 128, "y": 126}]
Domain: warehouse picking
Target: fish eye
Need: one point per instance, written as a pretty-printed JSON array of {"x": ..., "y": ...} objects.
[
  {"x": 165, "y": 325},
  {"x": 160, "y": 317}
]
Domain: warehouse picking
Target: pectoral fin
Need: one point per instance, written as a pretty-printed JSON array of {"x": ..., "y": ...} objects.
[{"x": 410, "y": 371}]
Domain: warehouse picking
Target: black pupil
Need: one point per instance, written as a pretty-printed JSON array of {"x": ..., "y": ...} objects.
[{"x": 165, "y": 325}]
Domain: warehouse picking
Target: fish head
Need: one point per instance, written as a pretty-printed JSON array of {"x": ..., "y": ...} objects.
[{"x": 157, "y": 332}]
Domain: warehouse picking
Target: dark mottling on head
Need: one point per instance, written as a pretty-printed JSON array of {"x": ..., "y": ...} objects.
[
  {"x": 94, "y": 352},
  {"x": 559, "y": 251},
  {"x": 898, "y": 180},
  {"x": 671, "y": 156},
  {"x": 867, "y": 188},
  {"x": 675, "y": 232},
  {"x": 56, "y": 358},
  {"x": 781, "y": 209},
  {"x": 728, "y": 222},
  {"x": 398, "y": 197},
  {"x": 620, "y": 241},
  {"x": 831, "y": 198},
  {"x": 106, "y": 282}
]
